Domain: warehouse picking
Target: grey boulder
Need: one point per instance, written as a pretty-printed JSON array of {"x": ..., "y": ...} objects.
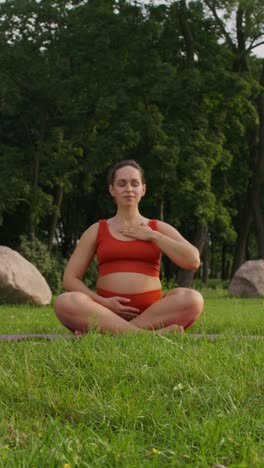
[
  {"x": 248, "y": 280},
  {"x": 20, "y": 281}
]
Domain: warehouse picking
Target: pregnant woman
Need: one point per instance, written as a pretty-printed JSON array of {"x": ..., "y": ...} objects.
[{"x": 128, "y": 248}]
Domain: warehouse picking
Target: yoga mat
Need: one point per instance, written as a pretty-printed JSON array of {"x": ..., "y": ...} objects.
[
  {"x": 29, "y": 336},
  {"x": 51, "y": 336}
]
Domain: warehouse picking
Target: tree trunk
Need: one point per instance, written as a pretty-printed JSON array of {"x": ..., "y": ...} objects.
[
  {"x": 228, "y": 270},
  {"x": 223, "y": 261},
  {"x": 240, "y": 63},
  {"x": 242, "y": 235},
  {"x": 35, "y": 182},
  {"x": 162, "y": 210},
  {"x": 212, "y": 261},
  {"x": 32, "y": 214},
  {"x": 258, "y": 188},
  {"x": 187, "y": 33},
  {"x": 185, "y": 277},
  {"x": 205, "y": 269},
  {"x": 56, "y": 214},
  {"x": 259, "y": 220}
]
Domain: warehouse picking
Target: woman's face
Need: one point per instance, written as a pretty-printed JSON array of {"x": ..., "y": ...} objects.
[{"x": 127, "y": 188}]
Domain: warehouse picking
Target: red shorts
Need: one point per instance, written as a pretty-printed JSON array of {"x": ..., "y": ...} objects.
[{"x": 140, "y": 301}]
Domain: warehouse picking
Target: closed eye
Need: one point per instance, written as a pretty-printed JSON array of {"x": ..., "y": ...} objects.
[{"x": 122, "y": 183}]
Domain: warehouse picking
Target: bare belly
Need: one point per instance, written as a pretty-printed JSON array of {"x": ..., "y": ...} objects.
[{"x": 128, "y": 282}]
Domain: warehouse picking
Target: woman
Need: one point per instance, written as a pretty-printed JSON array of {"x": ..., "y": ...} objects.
[{"x": 128, "y": 248}]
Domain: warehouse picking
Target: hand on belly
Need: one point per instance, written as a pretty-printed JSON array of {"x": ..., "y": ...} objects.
[{"x": 120, "y": 306}]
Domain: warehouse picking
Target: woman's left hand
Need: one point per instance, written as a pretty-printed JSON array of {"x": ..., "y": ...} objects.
[{"x": 141, "y": 232}]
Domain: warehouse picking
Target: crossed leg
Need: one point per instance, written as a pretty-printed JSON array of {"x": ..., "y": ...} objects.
[{"x": 180, "y": 307}]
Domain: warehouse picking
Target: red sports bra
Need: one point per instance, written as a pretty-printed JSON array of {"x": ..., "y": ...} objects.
[{"x": 115, "y": 255}]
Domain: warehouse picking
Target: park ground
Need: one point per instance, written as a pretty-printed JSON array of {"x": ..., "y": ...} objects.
[{"x": 134, "y": 400}]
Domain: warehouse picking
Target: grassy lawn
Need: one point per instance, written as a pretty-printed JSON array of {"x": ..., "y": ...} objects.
[{"x": 134, "y": 400}]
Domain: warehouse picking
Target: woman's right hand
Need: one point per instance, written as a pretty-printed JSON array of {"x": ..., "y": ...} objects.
[{"x": 119, "y": 305}]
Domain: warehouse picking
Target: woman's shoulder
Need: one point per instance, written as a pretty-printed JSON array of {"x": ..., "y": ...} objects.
[
  {"x": 91, "y": 232},
  {"x": 159, "y": 225},
  {"x": 93, "y": 228},
  {"x": 169, "y": 231},
  {"x": 163, "y": 223}
]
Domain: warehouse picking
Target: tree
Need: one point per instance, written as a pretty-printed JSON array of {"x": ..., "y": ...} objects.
[{"x": 249, "y": 34}]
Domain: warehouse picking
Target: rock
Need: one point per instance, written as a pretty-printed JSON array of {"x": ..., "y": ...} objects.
[
  {"x": 248, "y": 280},
  {"x": 20, "y": 281}
]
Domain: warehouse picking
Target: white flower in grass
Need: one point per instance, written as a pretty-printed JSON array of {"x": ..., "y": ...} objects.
[{"x": 180, "y": 386}]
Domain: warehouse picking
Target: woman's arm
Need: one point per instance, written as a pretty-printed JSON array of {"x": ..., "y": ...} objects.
[
  {"x": 79, "y": 264},
  {"x": 170, "y": 241},
  {"x": 176, "y": 247}
]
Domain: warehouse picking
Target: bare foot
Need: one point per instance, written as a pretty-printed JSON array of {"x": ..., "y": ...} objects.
[
  {"x": 78, "y": 333},
  {"x": 170, "y": 329}
]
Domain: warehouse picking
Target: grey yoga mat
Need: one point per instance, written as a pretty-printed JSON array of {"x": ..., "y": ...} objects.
[
  {"x": 52, "y": 336},
  {"x": 28, "y": 336}
]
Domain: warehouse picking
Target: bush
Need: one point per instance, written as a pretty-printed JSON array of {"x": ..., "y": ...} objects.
[
  {"x": 197, "y": 284},
  {"x": 50, "y": 266},
  {"x": 213, "y": 283},
  {"x": 168, "y": 284}
]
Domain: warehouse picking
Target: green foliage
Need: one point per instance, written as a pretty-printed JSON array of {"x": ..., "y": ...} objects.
[
  {"x": 13, "y": 188},
  {"x": 50, "y": 266},
  {"x": 168, "y": 284},
  {"x": 86, "y": 84},
  {"x": 213, "y": 283}
]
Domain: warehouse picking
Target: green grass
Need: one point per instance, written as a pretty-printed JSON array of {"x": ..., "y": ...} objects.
[{"x": 134, "y": 400}]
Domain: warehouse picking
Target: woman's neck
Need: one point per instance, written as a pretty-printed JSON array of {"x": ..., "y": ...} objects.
[{"x": 127, "y": 216}]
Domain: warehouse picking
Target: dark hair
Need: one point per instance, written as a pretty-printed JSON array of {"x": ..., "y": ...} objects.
[{"x": 129, "y": 162}]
